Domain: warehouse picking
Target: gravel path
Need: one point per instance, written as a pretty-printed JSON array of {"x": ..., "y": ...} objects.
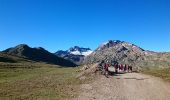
[{"x": 130, "y": 86}]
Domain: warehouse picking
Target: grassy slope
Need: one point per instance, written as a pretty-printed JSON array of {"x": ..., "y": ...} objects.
[
  {"x": 163, "y": 73},
  {"x": 37, "y": 81}
]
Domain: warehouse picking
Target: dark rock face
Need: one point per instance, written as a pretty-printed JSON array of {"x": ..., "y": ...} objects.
[
  {"x": 62, "y": 53},
  {"x": 126, "y": 53},
  {"x": 77, "y": 48},
  {"x": 37, "y": 54},
  {"x": 67, "y": 55}
]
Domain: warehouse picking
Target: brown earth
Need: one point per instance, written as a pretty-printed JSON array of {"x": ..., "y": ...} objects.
[{"x": 129, "y": 86}]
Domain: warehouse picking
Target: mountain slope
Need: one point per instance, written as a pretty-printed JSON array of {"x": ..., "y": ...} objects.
[
  {"x": 12, "y": 59},
  {"x": 127, "y": 53},
  {"x": 75, "y": 54},
  {"x": 37, "y": 54}
]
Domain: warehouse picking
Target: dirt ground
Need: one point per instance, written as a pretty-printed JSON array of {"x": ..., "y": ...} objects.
[{"x": 129, "y": 86}]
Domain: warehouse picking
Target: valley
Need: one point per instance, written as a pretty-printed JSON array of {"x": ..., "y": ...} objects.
[
  {"x": 28, "y": 73},
  {"x": 32, "y": 81}
]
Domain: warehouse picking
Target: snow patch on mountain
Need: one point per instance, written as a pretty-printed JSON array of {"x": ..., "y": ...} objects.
[
  {"x": 84, "y": 53},
  {"x": 87, "y": 53},
  {"x": 76, "y": 50}
]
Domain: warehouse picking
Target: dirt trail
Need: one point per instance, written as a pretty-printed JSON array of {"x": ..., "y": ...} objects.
[{"x": 130, "y": 86}]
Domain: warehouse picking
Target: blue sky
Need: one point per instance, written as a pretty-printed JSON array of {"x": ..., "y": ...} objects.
[{"x": 60, "y": 24}]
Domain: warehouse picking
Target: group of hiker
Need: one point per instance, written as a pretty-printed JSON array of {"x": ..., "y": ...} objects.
[
  {"x": 118, "y": 68},
  {"x": 123, "y": 68}
]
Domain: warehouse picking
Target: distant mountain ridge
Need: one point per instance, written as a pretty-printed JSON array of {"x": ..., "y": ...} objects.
[
  {"x": 37, "y": 54},
  {"x": 113, "y": 51},
  {"x": 75, "y": 54}
]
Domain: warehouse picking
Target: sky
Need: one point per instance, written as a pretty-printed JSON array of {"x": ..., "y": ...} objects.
[{"x": 61, "y": 24}]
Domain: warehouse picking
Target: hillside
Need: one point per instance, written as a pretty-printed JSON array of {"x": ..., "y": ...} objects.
[
  {"x": 37, "y": 54},
  {"x": 12, "y": 59},
  {"x": 128, "y": 53}
]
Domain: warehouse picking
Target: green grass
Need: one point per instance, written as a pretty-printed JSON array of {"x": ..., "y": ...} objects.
[
  {"x": 163, "y": 73},
  {"x": 32, "y": 81}
]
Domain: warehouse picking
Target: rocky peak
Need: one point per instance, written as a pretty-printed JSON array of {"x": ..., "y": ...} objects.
[
  {"x": 116, "y": 50},
  {"x": 75, "y": 54},
  {"x": 119, "y": 45},
  {"x": 22, "y": 46}
]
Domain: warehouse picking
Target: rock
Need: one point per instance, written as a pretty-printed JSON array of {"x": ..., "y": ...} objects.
[{"x": 127, "y": 53}]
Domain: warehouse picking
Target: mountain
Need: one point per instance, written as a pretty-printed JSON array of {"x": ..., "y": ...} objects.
[
  {"x": 75, "y": 54},
  {"x": 80, "y": 51},
  {"x": 12, "y": 59},
  {"x": 37, "y": 54},
  {"x": 127, "y": 53}
]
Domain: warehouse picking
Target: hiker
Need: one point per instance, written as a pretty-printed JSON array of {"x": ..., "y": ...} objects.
[
  {"x": 129, "y": 68},
  {"x": 121, "y": 67},
  {"x": 116, "y": 68},
  {"x": 106, "y": 67},
  {"x": 125, "y": 68}
]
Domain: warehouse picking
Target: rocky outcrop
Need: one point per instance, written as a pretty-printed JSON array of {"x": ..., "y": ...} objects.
[{"x": 127, "y": 53}]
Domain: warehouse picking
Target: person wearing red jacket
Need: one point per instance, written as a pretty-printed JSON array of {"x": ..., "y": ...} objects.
[
  {"x": 116, "y": 68},
  {"x": 125, "y": 68},
  {"x": 106, "y": 69}
]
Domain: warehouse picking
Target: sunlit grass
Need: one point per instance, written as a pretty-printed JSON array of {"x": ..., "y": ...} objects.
[
  {"x": 37, "y": 81},
  {"x": 163, "y": 73}
]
